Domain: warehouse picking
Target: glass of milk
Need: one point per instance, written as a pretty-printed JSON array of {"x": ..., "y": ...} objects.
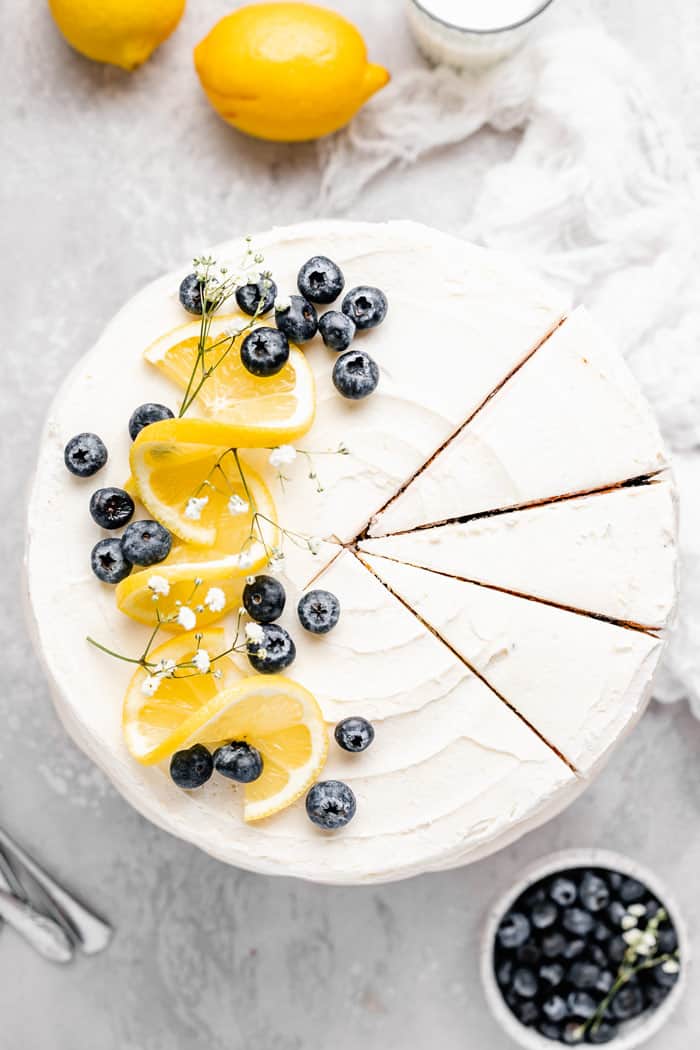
[{"x": 472, "y": 34}]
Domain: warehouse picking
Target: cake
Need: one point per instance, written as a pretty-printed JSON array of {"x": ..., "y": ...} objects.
[{"x": 499, "y": 527}]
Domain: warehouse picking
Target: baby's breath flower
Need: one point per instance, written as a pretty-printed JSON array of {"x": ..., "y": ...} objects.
[
  {"x": 254, "y": 633},
  {"x": 159, "y": 585},
  {"x": 217, "y": 674},
  {"x": 671, "y": 966},
  {"x": 215, "y": 599},
  {"x": 283, "y": 303},
  {"x": 251, "y": 580},
  {"x": 343, "y": 449},
  {"x": 315, "y": 544},
  {"x": 261, "y": 654},
  {"x": 166, "y": 668},
  {"x": 235, "y": 327},
  {"x": 186, "y": 617},
  {"x": 628, "y": 922},
  {"x": 201, "y": 661},
  {"x": 195, "y": 506},
  {"x": 236, "y": 505},
  {"x": 276, "y": 561},
  {"x": 638, "y": 910},
  {"x": 282, "y": 456},
  {"x": 150, "y": 685}
]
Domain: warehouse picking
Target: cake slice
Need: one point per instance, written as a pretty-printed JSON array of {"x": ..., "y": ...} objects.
[
  {"x": 611, "y": 554},
  {"x": 572, "y": 419},
  {"x": 579, "y": 681}
]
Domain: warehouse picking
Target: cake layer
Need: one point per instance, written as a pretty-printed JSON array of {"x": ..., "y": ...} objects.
[
  {"x": 579, "y": 681},
  {"x": 572, "y": 419},
  {"x": 610, "y": 554}
]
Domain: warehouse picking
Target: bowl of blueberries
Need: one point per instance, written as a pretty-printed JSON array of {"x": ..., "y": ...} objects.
[{"x": 587, "y": 949}]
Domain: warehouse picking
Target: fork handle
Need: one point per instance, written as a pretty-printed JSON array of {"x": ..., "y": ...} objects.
[{"x": 43, "y": 933}]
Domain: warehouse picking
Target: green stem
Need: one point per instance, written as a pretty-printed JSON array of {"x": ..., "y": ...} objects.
[{"x": 118, "y": 656}]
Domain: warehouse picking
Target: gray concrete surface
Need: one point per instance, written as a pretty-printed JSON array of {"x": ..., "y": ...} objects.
[{"x": 107, "y": 180}]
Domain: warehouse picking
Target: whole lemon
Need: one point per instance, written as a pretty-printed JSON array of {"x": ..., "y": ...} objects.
[
  {"x": 121, "y": 32},
  {"x": 286, "y": 71}
]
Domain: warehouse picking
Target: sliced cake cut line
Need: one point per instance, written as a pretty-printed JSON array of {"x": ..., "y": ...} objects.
[
  {"x": 455, "y": 433},
  {"x": 436, "y": 634},
  {"x": 575, "y": 379},
  {"x": 464, "y": 519},
  {"x": 579, "y": 682},
  {"x": 612, "y": 550}
]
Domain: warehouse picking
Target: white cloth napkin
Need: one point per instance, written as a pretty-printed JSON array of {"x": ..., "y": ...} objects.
[{"x": 602, "y": 197}]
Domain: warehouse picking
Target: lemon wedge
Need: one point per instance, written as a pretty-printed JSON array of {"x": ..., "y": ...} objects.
[
  {"x": 188, "y": 478},
  {"x": 190, "y": 584},
  {"x": 283, "y": 721},
  {"x": 152, "y": 725},
  {"x": 263, "y": 411}
]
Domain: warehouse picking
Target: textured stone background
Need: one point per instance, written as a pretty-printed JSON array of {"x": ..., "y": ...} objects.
[{"x": 107, "y": 180}]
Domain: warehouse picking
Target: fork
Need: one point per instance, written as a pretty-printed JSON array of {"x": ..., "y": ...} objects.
[
  {"x": 43, "y": 933},
  {"x": 92, "y": 933}
]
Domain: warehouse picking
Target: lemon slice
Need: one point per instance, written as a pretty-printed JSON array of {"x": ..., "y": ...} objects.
[
  {"x": 153, "y": 724},
  {"x": 264, "y": 411},
  {"x": 190, "y": 584},
  {"x": 177, "y": 461},
  {"x": 283, "y": 721}
]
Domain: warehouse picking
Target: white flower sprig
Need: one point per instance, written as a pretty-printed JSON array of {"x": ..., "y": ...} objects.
[{"x": 641, "y": 954}]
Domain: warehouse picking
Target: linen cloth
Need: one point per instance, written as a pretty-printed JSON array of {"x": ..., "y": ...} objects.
[{"x": 602, "y": 197}]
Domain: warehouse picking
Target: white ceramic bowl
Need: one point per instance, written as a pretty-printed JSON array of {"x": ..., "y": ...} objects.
[{"x": 634, "y": 1032}]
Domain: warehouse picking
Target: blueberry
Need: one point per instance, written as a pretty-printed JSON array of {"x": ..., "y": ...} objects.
[
  {"x": 355, "y": 375},
  {"x": 553, "y": 944},
  {"x": 616, "y": 949},
  {"x": 602, "y": 932},
  {"x": 514, "y": 930},
  {"x": 279, "y": 648},
  {"x": 550, "y": 1031},
  {"x": 111, "y": 508},
  {"x": 605, "y": 981},
  {"x": 320, "y": 280},
  {"x": 238, "y": 761},
  {"x": 598, "y": 956},
  {"x": 257, "y": 298},
  {"x": 555, "y": 1008},
  {"x": 264, "y": 599},
  {"x": 190, "y": 293},
  {"x": 667, "y": 938},
  {"x": 526, "y": 1011},
  {"x": 544, "y": 915},
  {"x": 265, "y": 352},
  {"x": 552, "y": 974},
  {"x": 529, "y": 954},
  {"x": 653, "y": 907},
  {"x": 581, "y": 1004},
  {"x": 109, "y": 563},
  {"x": 616, "y": 913},
  {"x": 583, "y": 975},
  {"x": 504, "y": 973},
  {"x": 602, "y": 1033},
  {"x": 330, "y": 804},
  {"x": 664, "y": 979},
  {"x": 146, "y": 414},
  {"x": 573, "y": 1033},
  {"x": 354, "y": 734},
  {"x": 628, "y": 1002},
  {"x": 299, "y": 321},
  {"x": 563, "y": 892},
  {"x": 574, "y": 948},
  {"x": 656, "y": 994},
  {"x": 578, "y": 921},
  {"x": 191, "y": 768},
  {"x": 631, "y": 891},
  {"x": 615, "y": 879},
  {"x": 337, "y": 330},
  {"x": 146, "y": 542},
  {"x": 85, "y": 454},
  {"x": 525, "y": 983},
  {"x": 366, "y": 306},
  {"x": 593, "y": 892},
  {"x": 318, "y": 611}
]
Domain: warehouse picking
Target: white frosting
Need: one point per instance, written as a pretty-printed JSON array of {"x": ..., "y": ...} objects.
[
  {"x": 454, "y": 773},
  {"x": 579, "y": 681},
  {"x": 612, "y": 554},
  {"x": 571, "y": 419}
]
